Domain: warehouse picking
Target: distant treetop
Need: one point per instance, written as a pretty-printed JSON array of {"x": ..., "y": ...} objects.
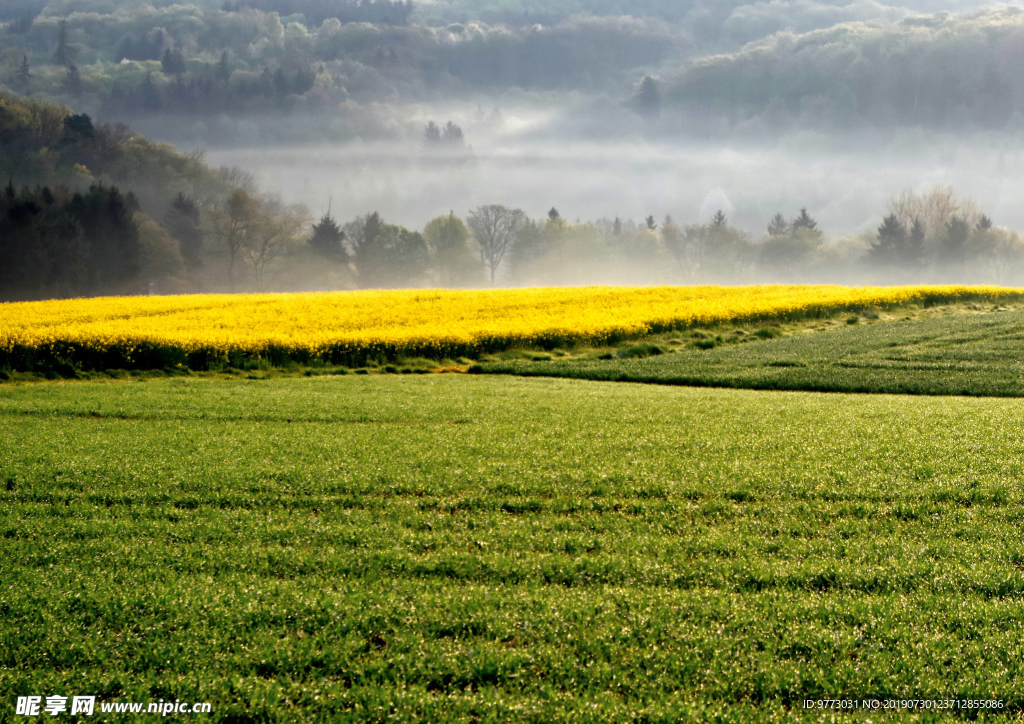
[{"x": 385, "y": 12}]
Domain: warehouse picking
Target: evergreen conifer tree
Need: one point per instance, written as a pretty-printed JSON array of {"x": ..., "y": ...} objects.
[
  {"x": 954, "y": 241},
  {"x": 778, "y": 226},
  {"x": 453, "y": 136},
  {"x": 327, "y": 237},
  {"x": 149, "y": 94},
  {"x": 223, "y": 68},
  {"x": 64, "y": 53},
  {"x": 890, "y": 243},
  {"x": 23, "y": 76},
  {"x": 913, "y": 251},
  {"x": 73, "y": 81},
  {"x": 804, "y": 221}
]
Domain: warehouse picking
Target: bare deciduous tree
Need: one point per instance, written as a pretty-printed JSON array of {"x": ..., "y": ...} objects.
[
  {"x": 231, "y": 225},
  {"x": 935, "y": 210},
  {"x": 494, "y": 228},
  {"x": 46, "y": 120},
  {"x": 272, "y": 232}
]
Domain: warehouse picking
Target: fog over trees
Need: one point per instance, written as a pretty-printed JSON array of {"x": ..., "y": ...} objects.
[{"x": 331, "y": 144}]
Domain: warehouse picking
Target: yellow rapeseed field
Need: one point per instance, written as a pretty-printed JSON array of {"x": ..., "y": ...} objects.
[{"x": 342, "y": 326}]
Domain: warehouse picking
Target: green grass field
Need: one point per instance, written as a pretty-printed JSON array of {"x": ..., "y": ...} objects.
[
  {"x": 485, "y": 548},
  {"x": 956, "y": 354}
]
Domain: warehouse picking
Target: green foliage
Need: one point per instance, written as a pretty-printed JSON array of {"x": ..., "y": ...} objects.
[
  {"x": 446, "y": 548},
  {"x": 558, "y": 252},
  {"x": 45, "y": 143},
  {"x": 207, "y": 58},
  {"x": 638, "y": 351},
  {"x": 890, "y": 242},
  {"x": 778, "y": 226},
  {"x": 713, "y": 251},
  {"x": 183, "y": 222},
  {"x": 385, "y": 12},
  {"x": 963, "y": 354},
  {"x": 448, "y": 240},
  {"x": 791, "y": 249},
  {"x": 931, "y": 75},
  {"x": 953, "y": 242},
  {"x": 68, "y": 245},
  {"x": 327, "y": 238},
  {"x": 65, "y": 54},
  {"x": 386, "y": 255}
]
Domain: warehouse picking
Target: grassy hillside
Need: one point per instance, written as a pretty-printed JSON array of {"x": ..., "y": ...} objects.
[
  {"x": 450, "y": 548},
  {"x": 955, "y": 354}
]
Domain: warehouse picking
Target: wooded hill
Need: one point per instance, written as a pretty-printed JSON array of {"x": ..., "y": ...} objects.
[{"x": 97, "y": 209}]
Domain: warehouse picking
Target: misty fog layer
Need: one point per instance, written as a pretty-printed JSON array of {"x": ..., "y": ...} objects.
[{"x": 846, "y": 184}]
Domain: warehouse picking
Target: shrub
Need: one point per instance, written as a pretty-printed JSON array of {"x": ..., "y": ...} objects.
[{"x": 637, "y": 351}]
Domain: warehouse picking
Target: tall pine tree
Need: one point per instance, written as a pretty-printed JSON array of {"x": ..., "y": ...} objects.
[
  {"x": 804, "y": 221},
  {"x": 23, "y": 76},
  {"x": 889, "y": 245},
  {"x": 64, "y": 53},
  {"x": 778, "y": 226},
  {"x": 327, "y": 238}
]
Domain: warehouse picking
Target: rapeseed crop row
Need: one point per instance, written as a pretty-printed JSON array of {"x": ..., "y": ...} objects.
[{"x": 209, "y": 331}]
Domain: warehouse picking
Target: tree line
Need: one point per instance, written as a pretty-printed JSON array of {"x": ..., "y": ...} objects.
[
  {"x": 924, "y": 237},
  {"x": 54, "y": 242}
]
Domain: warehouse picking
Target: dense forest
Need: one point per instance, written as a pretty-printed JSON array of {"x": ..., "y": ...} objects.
[
  {"x": 243, "y": 61},
  {"x": 945, "y": 71},
  {"x": 121, "y": 60}
]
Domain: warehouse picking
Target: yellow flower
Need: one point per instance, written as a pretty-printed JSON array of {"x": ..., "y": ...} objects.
[{"x": 425, "y": 322}]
